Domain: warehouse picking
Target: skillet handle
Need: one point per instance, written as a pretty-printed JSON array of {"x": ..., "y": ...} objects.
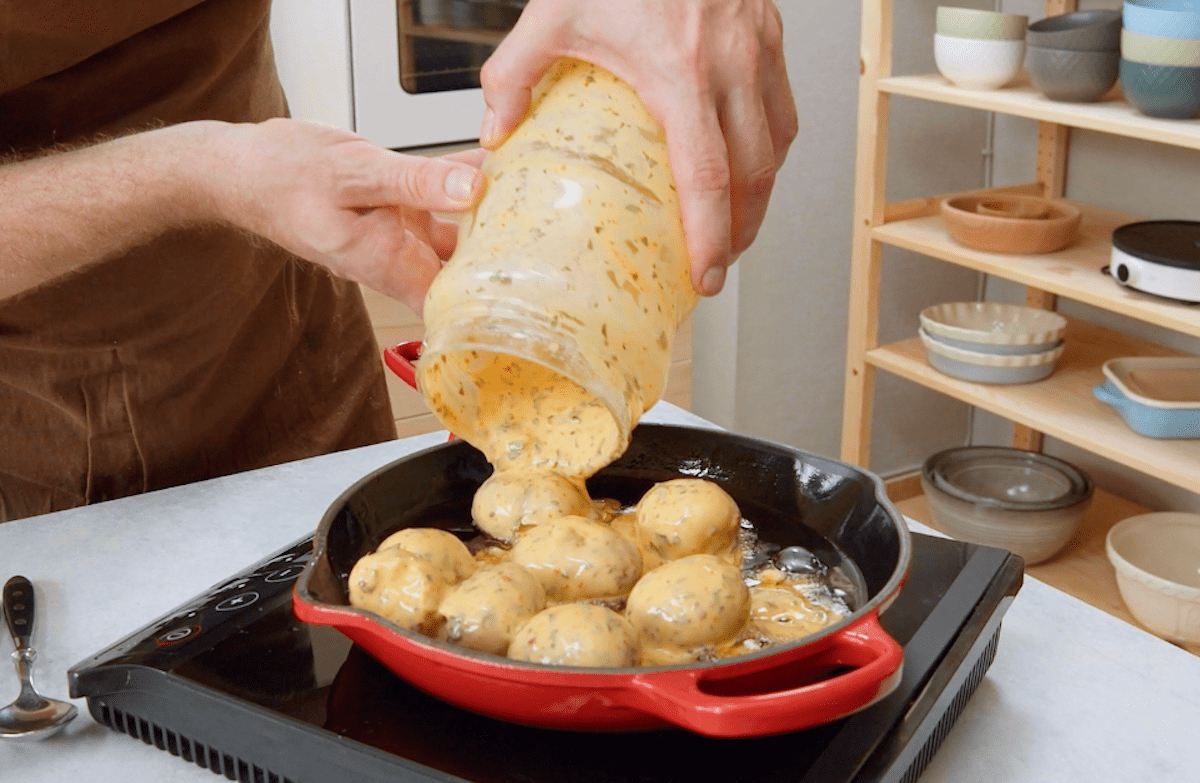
[
  {"x": 401, "y": 359},
  {"x": 876, "y": 662}
]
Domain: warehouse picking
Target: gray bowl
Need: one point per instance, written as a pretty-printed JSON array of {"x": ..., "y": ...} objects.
[
  {"x": 1168, "y": 91},
  {"x": 1081, "y": 31},
  {"x": 1069, "y": 75}
]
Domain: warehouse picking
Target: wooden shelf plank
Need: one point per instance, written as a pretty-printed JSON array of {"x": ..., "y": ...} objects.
[
  {"x": 1081, "y": 569},
  {"x": 1062, "y": 405},
  {"x": 1112, "y": 115},
  {"x": 1073, "y": 272}
]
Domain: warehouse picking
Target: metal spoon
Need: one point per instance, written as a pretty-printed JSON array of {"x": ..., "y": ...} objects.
[{"x": 32, "y": 716}]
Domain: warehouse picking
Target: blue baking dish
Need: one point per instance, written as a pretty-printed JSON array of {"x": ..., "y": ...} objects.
[{"x": 1148, "y": 420}]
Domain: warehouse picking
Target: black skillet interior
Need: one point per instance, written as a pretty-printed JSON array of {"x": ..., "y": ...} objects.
[{"x": 793, "y": 498}]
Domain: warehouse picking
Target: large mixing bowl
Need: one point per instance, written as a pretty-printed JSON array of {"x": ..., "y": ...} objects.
[
  {"x": 1028, "y": 503},
  {"x": 838, "y": 511}
]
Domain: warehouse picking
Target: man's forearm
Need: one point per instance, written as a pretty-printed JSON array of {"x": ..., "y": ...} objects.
[{"x": 63, "y": 211}]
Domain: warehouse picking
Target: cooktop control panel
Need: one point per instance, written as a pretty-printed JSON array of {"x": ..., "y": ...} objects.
[{"x": 212, "y": 616}]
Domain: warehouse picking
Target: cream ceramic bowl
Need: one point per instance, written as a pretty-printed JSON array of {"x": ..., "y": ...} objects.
[
  {"x": 994, "y": 327},
  {"x": 978, "y": 64},
  {"x": 1155, "y": 50},
  {"x": 1157, "y": 560},
  {"x": 973, "y": 23}
]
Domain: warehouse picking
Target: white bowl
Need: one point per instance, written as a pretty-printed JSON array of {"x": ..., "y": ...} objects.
[
  {"x": 978, "y": 63},
  {"x": 994, "y": 327},
  {"x": 980, "y": 367},
  {"x": 1157, "y": 560}
]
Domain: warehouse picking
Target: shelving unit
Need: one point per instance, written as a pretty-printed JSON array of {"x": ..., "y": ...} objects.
[{"x": 1062, "y": 405}]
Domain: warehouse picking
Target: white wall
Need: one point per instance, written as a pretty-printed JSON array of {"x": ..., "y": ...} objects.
[{"x": 790, "y": 305}]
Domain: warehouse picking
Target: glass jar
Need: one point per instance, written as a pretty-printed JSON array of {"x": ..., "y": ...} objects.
[{"x": 548, "y": 333}]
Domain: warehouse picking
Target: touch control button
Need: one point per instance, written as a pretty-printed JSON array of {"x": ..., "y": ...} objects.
[
  {"x": 177, "y": 635},
  {"x": 286, "y": 574},
  {"x": 237, "y": 602}
]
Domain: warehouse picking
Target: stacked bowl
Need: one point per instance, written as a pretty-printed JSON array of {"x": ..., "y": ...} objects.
[
  {"x": 1160, "y": 57},
  {"x": 1074, "y": 57},
  {"x": 992, "y": 342},
  {"x": 979, "y": 50}
]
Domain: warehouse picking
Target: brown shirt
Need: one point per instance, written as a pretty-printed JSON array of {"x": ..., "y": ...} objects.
[{"x": 202, "y": 352}]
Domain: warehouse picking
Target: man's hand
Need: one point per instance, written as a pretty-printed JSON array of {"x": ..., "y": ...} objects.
[
  {"x": 710, "y": 71},
  {"x": 364, "y": 212},
  {"x": 324, "y": 194}
]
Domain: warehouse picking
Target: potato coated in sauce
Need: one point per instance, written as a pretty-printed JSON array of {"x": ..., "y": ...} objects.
[
  {"x": 678, "y": 608},
  {"x": 510, "y": 500},
  {"x": 441, "y": 549},
  {"x": 577, "y": 559},
  {"x": 576, "y": 635},
  {"x": 687, "y": 516},
  {"x": 483, "y": 612},
  {"x": 398, "y": 586}
]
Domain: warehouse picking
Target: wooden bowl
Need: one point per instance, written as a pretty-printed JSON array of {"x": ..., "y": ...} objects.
[{"x": 998, "y": 227}]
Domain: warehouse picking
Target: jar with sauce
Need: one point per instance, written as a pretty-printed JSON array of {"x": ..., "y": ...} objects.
[{"x": 548, "y": 333}]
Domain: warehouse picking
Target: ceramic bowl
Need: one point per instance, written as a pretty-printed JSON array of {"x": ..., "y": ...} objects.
[
  {"x": 987, "y": 25},
  {"x": 1080, "y": 31},
  {"x": 1028, "y": 503},
  {"x": 1162, "y": 18},
  {"x": 994, "y": 327},
  {"x": 1165, "y": 91},
  {"x": 1072, "y": 76},
  {"x": 1157, "y": 560},
  {"x": 999, "y": 234},
  {"x": 978, "y": 64},
  {"x": 1154, "y": 50},
  {"x": 989, "y": 368}
]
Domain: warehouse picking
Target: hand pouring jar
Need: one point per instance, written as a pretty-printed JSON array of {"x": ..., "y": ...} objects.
[{"x": 550, "y": 328}]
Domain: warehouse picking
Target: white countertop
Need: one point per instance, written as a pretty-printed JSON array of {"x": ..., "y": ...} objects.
[{"x": 1074, "y": 694}]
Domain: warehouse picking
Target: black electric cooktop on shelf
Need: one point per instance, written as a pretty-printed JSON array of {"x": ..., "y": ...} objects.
[{"x": 234, "y": 683}]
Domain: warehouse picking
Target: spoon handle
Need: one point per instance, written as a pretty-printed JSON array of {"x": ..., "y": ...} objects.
[{"x": 18, "y": 610}]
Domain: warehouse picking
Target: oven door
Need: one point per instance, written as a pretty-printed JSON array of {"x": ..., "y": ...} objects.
[{"x": 415, "y": 67}]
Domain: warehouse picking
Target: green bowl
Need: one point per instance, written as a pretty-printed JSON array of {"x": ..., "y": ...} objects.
[{"x": 987, "y": 25}]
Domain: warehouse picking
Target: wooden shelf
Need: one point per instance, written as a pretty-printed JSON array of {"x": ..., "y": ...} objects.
[
  {"x": 1073, "y": 272},
  {"x": 1113, "y": 115},
  {"x": 1062, "y": 405},
  {"x": 1082, "y": 568}
]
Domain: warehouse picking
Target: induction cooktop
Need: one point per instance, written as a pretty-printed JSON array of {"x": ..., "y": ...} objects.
[{"x": 232, "y": 682}]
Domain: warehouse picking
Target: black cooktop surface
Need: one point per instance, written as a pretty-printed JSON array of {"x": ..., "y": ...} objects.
[{"x": 233, "y": 682}]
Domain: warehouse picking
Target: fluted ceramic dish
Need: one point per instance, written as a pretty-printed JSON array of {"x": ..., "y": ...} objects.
[
  {"x": 984, "y": 25},
  {"x": 1157, "y": 560},
  {"x": 999, "y": 234},
  {"x": 990, "y": 368},
  {"x": 994, "y": 327},
  {"x": 1080, "y": 31}
]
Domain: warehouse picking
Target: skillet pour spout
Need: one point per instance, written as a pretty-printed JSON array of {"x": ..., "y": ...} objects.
[{"x": 794, "y": 498}]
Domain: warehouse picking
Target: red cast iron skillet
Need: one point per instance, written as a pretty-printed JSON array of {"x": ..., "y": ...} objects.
[{"x": 794, "y": 498}]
